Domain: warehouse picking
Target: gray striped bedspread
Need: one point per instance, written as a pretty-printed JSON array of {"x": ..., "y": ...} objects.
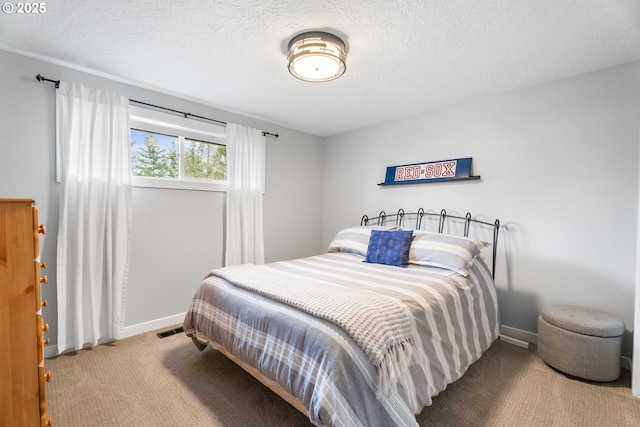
[{"x": 319, "y": 363}]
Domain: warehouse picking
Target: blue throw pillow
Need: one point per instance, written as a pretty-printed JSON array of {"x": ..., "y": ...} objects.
[{"x": 389, "y": 247}]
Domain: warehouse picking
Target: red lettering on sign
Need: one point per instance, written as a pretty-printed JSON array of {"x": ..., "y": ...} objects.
[
  {"x": 425, "y": 171},
  {"x": 399, "y": 174},
  {"x": 428, "y": 171},
  {"x": 448, "y": 169}
]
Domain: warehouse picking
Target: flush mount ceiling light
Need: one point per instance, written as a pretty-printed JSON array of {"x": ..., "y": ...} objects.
[{"x": 317, "y": 56}]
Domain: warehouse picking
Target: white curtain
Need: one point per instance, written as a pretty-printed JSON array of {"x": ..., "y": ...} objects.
[
  {"x": 246, "y": 149},
  {"x": 94, "y": 168}
]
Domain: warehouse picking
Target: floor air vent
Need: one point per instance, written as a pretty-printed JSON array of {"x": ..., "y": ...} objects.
[{"x": 170, "y": 332}]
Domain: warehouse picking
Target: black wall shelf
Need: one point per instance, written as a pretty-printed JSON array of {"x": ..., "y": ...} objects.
[{"x": 470, "y": 178}]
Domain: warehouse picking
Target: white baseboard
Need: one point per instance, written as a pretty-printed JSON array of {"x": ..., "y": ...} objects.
[
  {"x": 129, "y": 331},
  {"x": 514, "y": 341},
  {"x": 152, "y": 325},
  {"x": 519, "y": 334}
]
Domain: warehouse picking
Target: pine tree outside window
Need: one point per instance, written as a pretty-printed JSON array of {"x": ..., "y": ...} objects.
[
  {"x": 177, "y": 153},
  {"x": 154, "y": 155}
]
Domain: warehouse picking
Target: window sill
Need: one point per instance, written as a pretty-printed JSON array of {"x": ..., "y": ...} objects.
[{"x": 146, "y": 182}]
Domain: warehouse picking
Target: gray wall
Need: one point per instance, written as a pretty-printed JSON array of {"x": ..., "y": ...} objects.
[
  {"x": 177, "y": 234},
  {"x": 559, "y": 167}
]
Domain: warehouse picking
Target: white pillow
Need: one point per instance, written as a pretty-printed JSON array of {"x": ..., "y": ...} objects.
[
  {"x": 455, "y": 253},
  {"x": 354, "y": 240}
]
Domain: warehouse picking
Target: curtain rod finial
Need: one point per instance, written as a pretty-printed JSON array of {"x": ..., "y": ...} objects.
[{"x": 41, "y": 78}]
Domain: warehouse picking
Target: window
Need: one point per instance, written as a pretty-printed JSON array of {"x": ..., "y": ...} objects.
[
  {"x": 154, "y": 155},
  {"x": 169, "y": 151}
]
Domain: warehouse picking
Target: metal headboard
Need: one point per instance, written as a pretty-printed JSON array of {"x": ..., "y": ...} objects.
[{"x": 400, "y": 217}]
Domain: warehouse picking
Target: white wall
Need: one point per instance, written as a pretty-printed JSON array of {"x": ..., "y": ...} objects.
[
  {"x": 177, "y": 234},
  {"x": 559, "y": 167}
]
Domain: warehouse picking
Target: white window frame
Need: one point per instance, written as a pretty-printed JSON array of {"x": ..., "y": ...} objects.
[{"x": 158, "y": 121}]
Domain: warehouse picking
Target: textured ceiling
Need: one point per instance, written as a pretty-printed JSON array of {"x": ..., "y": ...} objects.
[{"x": 404, "y": 57}]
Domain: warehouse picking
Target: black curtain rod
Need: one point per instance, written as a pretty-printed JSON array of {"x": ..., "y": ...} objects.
[{"x": 41, "y": 78}]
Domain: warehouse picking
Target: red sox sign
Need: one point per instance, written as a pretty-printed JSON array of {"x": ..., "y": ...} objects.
[{"x": 442, "y": 170}]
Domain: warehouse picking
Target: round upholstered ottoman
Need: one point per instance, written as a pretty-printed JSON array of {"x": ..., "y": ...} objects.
[{"x": 581, "y": 342}]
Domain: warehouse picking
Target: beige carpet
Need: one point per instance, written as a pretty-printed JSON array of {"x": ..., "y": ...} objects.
[{"x": 146, "y": 381}]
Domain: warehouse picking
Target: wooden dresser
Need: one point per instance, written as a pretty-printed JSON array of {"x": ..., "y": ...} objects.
[{"x": 22, "y": 374}]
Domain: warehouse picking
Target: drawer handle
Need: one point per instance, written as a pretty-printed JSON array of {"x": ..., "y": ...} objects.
[
  {"x": 46, "y": 341},
  {"x": 43, "y": 264},
  {"x": 48, "y": 423},
  {"x": 45, "y": 303},
  {"x": 43, "y": 279},
  {"x": 45, "y": 327},
  {"x": 47, "y": 377},
  {"x": 42, "y": 229}
]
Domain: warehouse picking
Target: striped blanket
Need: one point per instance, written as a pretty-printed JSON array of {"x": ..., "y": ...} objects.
[
  {"x": 321, "y": 365},
  {"x": 381, "y": 325}
]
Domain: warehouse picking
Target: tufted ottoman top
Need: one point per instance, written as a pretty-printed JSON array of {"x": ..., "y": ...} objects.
[{"x": 585, "y": 321}]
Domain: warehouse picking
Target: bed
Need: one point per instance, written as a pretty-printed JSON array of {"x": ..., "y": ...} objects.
[{"x": 365, "y": 334}]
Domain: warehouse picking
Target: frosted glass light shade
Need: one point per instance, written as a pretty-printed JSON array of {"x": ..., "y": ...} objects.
[{"x": 317, "y": 57}]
